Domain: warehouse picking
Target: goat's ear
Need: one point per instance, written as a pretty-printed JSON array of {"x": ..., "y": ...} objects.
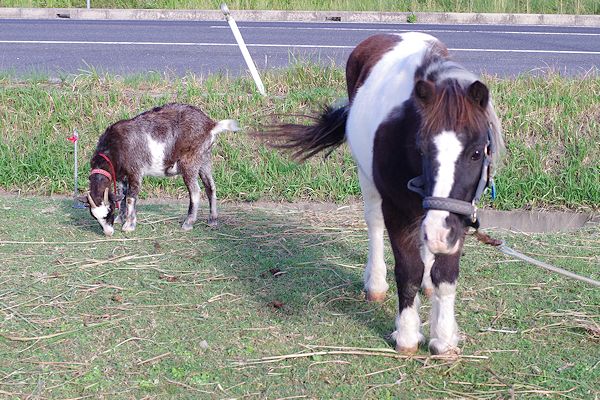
[
  {"x": 424, "y": 92},
  {"x": 83, "y": 200},
  {"x": 479, "y": 94}
]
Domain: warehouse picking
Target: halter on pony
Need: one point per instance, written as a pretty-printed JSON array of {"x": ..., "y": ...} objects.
[{"x": 456, "y": 206}]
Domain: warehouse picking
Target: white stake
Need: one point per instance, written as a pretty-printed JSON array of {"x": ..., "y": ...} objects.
[
  {"x": 243, "y": 48},
  {"x": 75, "y": 140}
]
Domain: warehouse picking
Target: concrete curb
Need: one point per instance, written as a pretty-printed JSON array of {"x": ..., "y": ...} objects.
[{"x": 300, "y": 16}]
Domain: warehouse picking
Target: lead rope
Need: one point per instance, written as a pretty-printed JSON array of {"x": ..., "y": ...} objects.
[{"x": 499, "y": 244}]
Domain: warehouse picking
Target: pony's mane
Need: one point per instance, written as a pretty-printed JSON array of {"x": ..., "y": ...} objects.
[{"x": 451, "y": 109}]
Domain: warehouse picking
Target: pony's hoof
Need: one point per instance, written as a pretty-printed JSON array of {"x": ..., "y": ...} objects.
[
  {"x": 375, "y": 297},
  {"x": 440, "y": 348},
  {"x": 212, "y": 222},
  {"x": 428, "y": 292},
  {"x": 187, "y": 227},
  {"x": 407, "y": 351}
]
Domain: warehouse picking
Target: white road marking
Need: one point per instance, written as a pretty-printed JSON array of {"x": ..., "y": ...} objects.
[
  {"x": 393, "y": 30},
  {"x": 300, "y": 46}
]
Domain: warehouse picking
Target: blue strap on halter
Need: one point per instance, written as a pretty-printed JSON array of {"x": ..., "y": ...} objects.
[{"x": 493, "y": 189}]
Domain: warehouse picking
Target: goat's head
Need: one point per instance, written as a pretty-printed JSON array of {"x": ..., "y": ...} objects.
[{"x": 102, "y": 208}]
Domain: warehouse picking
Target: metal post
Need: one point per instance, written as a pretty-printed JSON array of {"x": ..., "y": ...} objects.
[
  {"x": 87, "y": 3},
  {"x": 243, "y": 48}
]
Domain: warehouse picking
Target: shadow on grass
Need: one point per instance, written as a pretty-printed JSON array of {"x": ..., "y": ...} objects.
[{"x": 292, "y": 263}]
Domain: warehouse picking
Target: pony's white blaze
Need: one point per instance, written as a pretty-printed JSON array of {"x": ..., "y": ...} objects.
[
  {"x": 390, "y": 83},
  {"x": 100, "y": 213},
  {"x": 434, "y": 230}
]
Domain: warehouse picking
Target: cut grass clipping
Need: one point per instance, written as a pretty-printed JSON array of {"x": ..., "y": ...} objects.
[
  {"x": 479, "y": 6},
  {"x": 270, "y": 305},
  {"x": 551, "y": 126}
]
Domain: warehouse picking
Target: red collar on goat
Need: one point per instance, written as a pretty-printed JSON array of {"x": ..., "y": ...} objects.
[{"x": 112, "y": 176}]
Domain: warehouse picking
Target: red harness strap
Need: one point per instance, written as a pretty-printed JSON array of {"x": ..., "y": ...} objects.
[{"x": 112, "y": 176}]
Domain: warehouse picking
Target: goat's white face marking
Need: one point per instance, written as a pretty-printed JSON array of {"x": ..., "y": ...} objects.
[
  {"x": 100, "y": 213},
  {"x": 157, "y": 152},
  {"x": 434, "y": 228}
]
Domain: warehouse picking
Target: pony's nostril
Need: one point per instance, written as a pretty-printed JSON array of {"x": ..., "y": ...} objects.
[{"x": 425, "y": 237}]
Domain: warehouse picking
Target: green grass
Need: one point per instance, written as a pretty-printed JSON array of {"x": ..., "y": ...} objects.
[
  {"x": 551, "y": 126},
  {"x": 483, "y": 6},
  {"x": 165, "y": 314}
]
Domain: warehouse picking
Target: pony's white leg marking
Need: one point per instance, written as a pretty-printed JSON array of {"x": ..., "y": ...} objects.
[
  {"x": 374, "y": 277},
  {"x": 408, "y": 328},
  {"x": 443, "y": 329},
  {"x": 130, "y": 215},
  {"x": 428, "y": 259},
  {"x": 434, "y": 230}
]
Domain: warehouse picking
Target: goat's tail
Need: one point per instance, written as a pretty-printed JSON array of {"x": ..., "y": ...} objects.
[
  {"x": 224, "y": 125},
  {"x": 304, "y": 141}
]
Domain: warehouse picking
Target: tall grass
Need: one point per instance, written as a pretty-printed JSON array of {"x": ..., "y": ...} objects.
[
  {"x": 551, "y": 125},
  {"x": 481, "y": 6}
]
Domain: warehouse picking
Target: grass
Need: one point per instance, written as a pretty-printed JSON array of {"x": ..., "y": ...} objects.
[
  {"x": 551, "y": 126},
  {"x": 166, "y": 314},
  {"x": 480, "y": 6}
]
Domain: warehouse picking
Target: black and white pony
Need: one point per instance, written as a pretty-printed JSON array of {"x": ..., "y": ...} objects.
[{"x": 425, "y": 138}]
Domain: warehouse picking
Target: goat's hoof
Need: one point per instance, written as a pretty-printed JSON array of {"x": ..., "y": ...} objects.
[
  {"x": 438, "y": 347},
  {"x": 187, "y": 227},
  {"x": 128, "y": 227},
  {"x": 407, "y": 351},
  {"x": 375, "y": 297},
  {"x": 428, "y": 292}
]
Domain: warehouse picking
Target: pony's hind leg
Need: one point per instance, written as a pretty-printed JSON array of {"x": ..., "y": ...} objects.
[
  {"x": 376, "y": 285},
  {"x": 443, "y": 328}
]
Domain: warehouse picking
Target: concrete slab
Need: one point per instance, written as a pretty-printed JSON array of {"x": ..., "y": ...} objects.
[{"x": 534, "y": 221}]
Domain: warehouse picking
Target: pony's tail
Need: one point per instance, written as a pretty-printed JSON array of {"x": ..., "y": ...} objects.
[{"x": 304, "y": 141}]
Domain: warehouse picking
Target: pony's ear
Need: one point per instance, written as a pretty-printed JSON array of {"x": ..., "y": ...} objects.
[
  {"x": 479, "y": 94},
  {"x": 424, "y": 92}
]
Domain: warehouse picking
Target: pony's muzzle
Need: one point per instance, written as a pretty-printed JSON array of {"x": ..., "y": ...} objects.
[{"x": 440, "y": 232}]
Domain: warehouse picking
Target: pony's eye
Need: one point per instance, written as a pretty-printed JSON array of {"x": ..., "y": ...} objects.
[{"x": 476, "y": 155}]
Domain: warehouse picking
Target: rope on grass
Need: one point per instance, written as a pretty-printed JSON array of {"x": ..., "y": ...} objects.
[{"x": 501, "y": 246}]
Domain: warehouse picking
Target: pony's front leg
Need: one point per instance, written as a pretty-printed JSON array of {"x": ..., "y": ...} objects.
[
  {"x": 443, "y": 328},
  {"x": 374, "y": 277}
]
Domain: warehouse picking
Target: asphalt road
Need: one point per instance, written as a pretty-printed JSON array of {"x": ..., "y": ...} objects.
[{"x": 59, "y": 47}]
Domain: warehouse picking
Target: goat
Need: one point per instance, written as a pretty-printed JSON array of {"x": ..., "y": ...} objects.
[{"x": 175, "y": 139}]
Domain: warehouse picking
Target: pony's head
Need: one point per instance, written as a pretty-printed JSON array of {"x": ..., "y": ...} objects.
[{"x": 459, "y": 142}]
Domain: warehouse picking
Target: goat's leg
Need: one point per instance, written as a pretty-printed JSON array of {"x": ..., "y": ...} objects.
[
  {"x": 443, "y": 328},
  {"x": 211, "y": 193},
  {"x": 130, "y": 205},
  {"x": 190, "y": 178},
  {"x": 374, "y": 276},
  {"x": 121, "y": 194}
]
